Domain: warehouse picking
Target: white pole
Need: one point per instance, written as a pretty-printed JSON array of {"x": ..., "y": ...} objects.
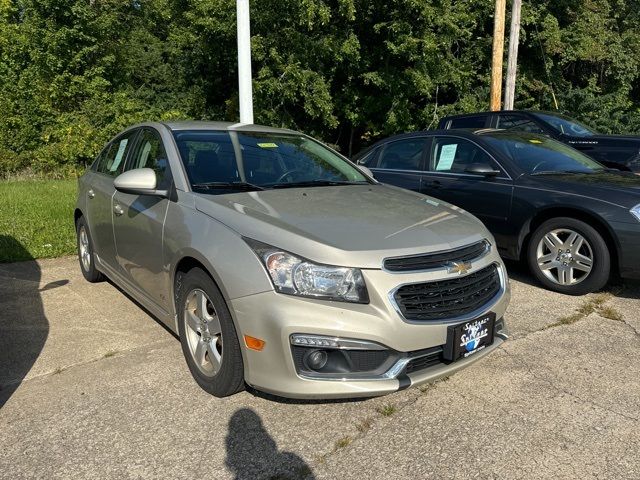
[
  {"x": 512, "y": 63},
  {"x": 244, "y": 62}
]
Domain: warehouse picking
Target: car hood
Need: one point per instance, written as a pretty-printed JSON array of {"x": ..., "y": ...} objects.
[
  {"x": 356, "y": 225},
  {"x": 620, "y": 188}
]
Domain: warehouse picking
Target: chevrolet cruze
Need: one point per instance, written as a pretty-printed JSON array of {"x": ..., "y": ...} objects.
[{"x": 282, "y": 265}]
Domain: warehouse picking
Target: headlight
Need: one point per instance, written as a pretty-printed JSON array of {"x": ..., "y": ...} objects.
[
  {"x": 635, "y": 211},
  {"x": 294, "y": 275}
]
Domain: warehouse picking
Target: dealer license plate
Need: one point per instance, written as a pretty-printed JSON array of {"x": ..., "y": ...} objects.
[{"x": 468, "y": 338}]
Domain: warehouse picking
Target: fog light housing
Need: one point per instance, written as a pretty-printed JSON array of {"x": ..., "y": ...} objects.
[{"x": 316, "y": 359}]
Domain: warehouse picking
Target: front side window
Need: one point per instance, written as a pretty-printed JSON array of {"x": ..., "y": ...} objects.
[
  {"x": 455, "y": 155},
  {"x": 403, "y": 154},
  {"x": 477, "y": 121},
  {"x": 247, "y": 160},
  {"x": 566, "y": 125},
  {"x": 112, "y": 162},
  {"x": 538, "y": 155},
  {"x": 517, "y": 123},
  {"x": 150, "y": 153}
]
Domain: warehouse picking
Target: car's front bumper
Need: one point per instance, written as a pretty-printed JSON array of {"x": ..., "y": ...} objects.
[
  {"x": 628, "y": 235},
  {"x": 274, "y": 317}
]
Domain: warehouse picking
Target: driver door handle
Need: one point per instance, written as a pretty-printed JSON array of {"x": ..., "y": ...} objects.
[
  {"x": 434, "y": 184},
  {"x": 91, "y": 194},
  {"x": 117, "y": 209}
]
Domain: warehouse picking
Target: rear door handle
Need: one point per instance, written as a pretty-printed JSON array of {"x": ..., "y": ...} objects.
[
  {"x": 91, "y": 194},
  {"x": 117, "y": 209},
  {"x": 434, "y": 184}
]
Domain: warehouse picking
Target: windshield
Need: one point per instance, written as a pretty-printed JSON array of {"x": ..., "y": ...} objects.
[
  {"x": 219, "y": 161},
  {"x": 536, "y": 154},
  {"x": 566, "y": 125}
]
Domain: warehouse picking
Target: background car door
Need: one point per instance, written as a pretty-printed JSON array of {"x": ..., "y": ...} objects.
[
  {"x": 401, "y": 162},
  {"x": 139, "y": 220},
  {"x": 100, "y": 192},
  {"x": 488, "y": 198}
]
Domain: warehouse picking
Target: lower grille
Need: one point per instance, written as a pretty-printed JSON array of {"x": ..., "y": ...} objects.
[
  {"x": 434, "y": 357},
  {"x": 444, "y": 299}
]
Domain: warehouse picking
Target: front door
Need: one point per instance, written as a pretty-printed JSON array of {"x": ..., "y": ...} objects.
[
  {"x": 139, "y": 223},
  {"x": 488, "y": 198}
]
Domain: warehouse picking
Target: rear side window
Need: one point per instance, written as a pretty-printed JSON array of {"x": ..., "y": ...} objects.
[
  {"x": 403, "y": 154},
  {"x": 113, "y": 161},
  {"x": 477, "y": 121},
  {"x": 518, "y": 123},
  {"x": 150, "y": 153}
]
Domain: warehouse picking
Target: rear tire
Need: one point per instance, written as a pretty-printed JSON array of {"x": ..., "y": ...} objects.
[
  {"x": 208, "y": 336},
  {"x": 86, "y": 255},
  {"x": 568, "y": 256}
]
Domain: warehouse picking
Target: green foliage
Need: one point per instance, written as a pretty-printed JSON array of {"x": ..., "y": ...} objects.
[
  {"x": 74, "y": 72},
  {"x": 35, "y": 219}
]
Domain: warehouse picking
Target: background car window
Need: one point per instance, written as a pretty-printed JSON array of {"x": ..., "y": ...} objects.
[
  {"x": 566, "y": 125},
  {"x": 454, "y": 155},
  {"x": 477, "y": 121},
  {"x": 370, "y": 159},
  {"x": 518, "y": 123},
  {"x": 403, "y": 154},
  {"x": 113, "y": 161},
  {"x": 150, "y": 153}
]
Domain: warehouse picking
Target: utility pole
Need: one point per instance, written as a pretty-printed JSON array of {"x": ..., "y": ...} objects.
[
  {"x": 244, "y": 61},
  {"x": 512, "y": 63},
  {"x": 498, "y": 53}
]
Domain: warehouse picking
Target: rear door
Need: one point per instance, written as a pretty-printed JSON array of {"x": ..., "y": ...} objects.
[
  {"x": 99, "y": 193},
  {"x": 139, "y": 222},
  {"x": 400, "y": 162},
  {"x": 488, "y": 198}
]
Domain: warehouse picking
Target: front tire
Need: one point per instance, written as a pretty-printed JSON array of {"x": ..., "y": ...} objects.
[
  {"x": 568, "y": 256},
  {"x": 86, "y": 255},
  {"x": 207, "y": 335}
]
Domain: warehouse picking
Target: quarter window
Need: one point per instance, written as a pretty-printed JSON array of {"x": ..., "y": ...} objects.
[
  {"x": 455, "y": 155},
  {"x": 150, "y": 153},
  {"x": 517, "y": 123},
  {"x": 403, "y": 154}
]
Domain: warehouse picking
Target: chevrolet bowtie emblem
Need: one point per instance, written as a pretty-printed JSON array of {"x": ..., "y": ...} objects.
[{"x": 459, "y": 267}]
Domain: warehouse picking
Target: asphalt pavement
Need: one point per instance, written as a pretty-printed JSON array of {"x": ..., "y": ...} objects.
[{"x": 93, "y": 387}]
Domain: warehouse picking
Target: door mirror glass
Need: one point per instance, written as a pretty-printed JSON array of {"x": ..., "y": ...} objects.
[
  {"x": 482, "y": 169},
  {"x": 139, "y": 181}
]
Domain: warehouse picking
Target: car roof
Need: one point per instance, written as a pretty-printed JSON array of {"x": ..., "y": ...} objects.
[
  {"x": 225, "y": 126},
  {"x": 496, "y": 112}
]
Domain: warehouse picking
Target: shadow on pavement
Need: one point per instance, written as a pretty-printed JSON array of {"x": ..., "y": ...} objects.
[
  {"x": 253, "y": 454},
  {"x": 23, "y": 325}
]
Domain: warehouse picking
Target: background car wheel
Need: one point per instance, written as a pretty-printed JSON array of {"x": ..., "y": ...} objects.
[
  {"x": 569, "y": 256},
  {"x": 208, "y": 336},
  {"x": 85, "y": 253}
]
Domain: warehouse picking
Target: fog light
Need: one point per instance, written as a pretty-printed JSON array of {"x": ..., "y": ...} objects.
[{"x": 316, "y": 359}]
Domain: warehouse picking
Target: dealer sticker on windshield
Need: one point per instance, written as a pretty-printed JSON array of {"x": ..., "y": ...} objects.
[
  {"x": 268, "y": 145},
  {"x": 466, "y": 339}
]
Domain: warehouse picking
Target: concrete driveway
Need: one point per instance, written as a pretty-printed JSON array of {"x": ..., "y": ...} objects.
[{"x": 93, "y": 387}]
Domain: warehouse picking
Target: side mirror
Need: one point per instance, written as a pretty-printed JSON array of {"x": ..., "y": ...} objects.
[
  {"x": 139, "y": 181},
  {"x": 483, "y": 169},
  {"x": 366, "y": 171}
]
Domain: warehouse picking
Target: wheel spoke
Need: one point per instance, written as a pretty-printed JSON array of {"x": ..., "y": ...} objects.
[
  {"x": 213, "y": 325},
  {"x": 583, "y": 260},
  {"x": 552, "y": 241},
  {"x": 214, "y": 357},
  {"x": 201, "y": 305},
  {"x": 573, "y": 236},
  {"x": 193, "y": 321},
  {"x": 563, "y": 276},
  {"x": 201, "y": 350}
]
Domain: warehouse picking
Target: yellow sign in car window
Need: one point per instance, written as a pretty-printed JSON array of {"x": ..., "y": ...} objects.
[{"x": 268, "y": 145}]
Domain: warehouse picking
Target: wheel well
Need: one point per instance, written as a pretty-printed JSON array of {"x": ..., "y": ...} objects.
[
  {"x": 76, "y": 216},
  {"x": 586, "y": 217}
]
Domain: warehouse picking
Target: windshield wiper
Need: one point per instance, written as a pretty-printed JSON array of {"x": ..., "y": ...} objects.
[
  {"x": 316, "y": 183},
  {"x": 244, "y": 186}
]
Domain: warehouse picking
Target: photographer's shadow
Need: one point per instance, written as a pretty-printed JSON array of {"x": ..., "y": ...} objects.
[
  {"x": 253, "y": 454},
  {"x": 24, "y": 328}
]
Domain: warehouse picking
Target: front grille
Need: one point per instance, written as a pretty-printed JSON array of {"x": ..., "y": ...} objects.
[
  {"x": 436, "y": 260},
  {"x": 427, "y": 358},
  {"x": 445, "y": 299}
]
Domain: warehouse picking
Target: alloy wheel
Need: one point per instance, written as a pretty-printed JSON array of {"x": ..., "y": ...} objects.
[
  {"x": 85, "y": 249},
  {"x": 203, "y": 332},
  {"x": 564, "y": 256}
]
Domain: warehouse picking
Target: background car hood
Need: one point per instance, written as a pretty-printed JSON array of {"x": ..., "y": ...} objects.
[
  {"x": 357, "y": 225},
  {"x": 621, "y": 188}
]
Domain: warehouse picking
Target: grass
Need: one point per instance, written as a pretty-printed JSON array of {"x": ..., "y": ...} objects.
[
  {"x": 387, "y": 410},
  {"x": 36, "y": 219}
]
